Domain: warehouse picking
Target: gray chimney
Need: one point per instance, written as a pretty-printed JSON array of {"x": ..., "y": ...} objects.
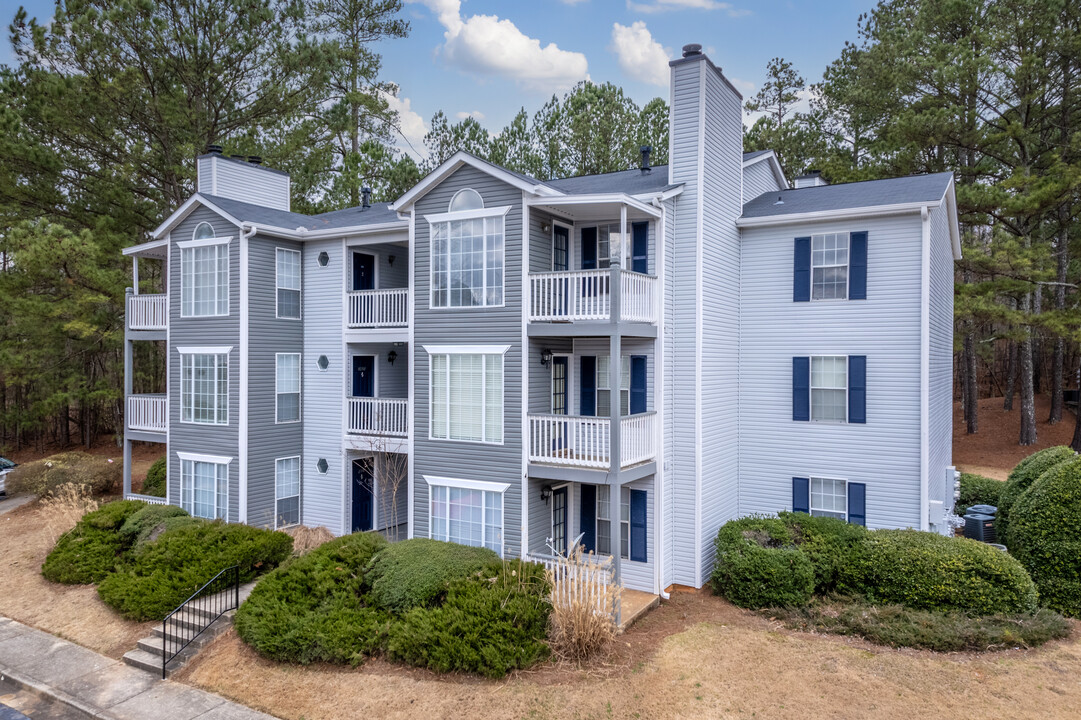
[
  {"x": 646, "y": 150},
  {"x": 365, "y": 197}
]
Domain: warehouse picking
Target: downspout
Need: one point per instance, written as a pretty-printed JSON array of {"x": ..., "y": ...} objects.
[
  {"x": 925, "y": 361},
  {"x": 247, "y": 230}
]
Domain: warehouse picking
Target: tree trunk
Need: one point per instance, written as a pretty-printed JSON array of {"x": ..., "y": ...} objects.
[
  {"x": 1058, "y": 361},
  {"x": 1037, "y": 346},
  {"x": 1028, "y": 397},
  {"x": 972, "y": 393},
  {"x": 1011, "y": 376},
  {"x": 65, "y": 428}
]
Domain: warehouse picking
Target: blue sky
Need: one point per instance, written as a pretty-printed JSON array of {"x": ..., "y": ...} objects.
[{"x": 491, "y": 57}]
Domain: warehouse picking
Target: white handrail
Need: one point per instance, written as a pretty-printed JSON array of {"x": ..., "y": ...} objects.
[
  {"x": 638, "y": 299},
  {"x": 582, "y": 578},
  {"x": 148, "y": 312},
  {"x": 570, "y": 295},
  {"x": 379, "y": 416},
  {"x": 569, "y": 440},
  {"x": 637, "y": 438},
  {"x": 149, "y": 413},
  {"x": 379, "y": 308}
]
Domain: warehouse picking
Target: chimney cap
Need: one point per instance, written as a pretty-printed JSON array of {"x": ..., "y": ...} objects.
[
  {"x": 645, "y": 150},
  {"x": 366, "y": 197},
  {"x": 255, "y": 160},
  {"x": 692, "y": 49},
  {"x": 213, "y": 149}
]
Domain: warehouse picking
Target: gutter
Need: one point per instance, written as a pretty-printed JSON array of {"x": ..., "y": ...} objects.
[{"x": 856, "y": 212}]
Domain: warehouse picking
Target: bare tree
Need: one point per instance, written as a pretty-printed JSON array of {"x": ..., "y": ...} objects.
[{"x": 390, "y": 471}]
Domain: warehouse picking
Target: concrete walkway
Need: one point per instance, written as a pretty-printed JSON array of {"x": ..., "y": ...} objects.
[{"x": 99, "y": 687}]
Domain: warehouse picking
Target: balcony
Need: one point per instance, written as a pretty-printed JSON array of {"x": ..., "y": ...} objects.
[
  {"x": 584, "y": 442},
  {"x": 378, "y": 417},
  {"x": 148, "y": 413},
  {"x": 586, "y": 295},
  {"x": 379, "y": 308},
  {"x": 148, "y": 312}
]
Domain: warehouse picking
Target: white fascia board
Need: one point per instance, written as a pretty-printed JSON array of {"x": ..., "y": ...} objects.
[
  {"x": 182, "y": 212},
  {"x": 660, "y": 197},
  {"x": 950, "y": 198},
  {"x": 466, "y": 349},
  {"x": 485, "y": 485},
  {"x": 142, "y": 248},
  {"x": 596, "y": 199},
  {"x": 775, "y": 166},
  {"x": 856, "y": 212},
  {"x": 460, "y": 159},
  {"x": 399, "y": 225}
]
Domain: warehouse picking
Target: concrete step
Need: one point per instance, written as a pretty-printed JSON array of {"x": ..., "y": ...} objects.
[
  {"x": 150, "y": 662},
  {"x": 189, "y": 620},
  {"x": 153, "y": 645},
  {"x": 188, "y": 628}
]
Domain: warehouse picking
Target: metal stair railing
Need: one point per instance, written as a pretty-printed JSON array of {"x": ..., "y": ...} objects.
[{"x": 217, "y": 597}]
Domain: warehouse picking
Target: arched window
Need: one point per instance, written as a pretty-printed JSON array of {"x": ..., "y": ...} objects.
[
  {"x": 467, "y": 199},
  {"x": 203, "y": 231}
]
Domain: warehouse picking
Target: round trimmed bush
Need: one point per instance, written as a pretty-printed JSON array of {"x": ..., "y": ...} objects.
[
  {"x": 933, "y": 572},
  {"x": 416, "y": 573},
  {"x": 90, "y": 550},
  {"x": 758, "y": 565},
  {"x": 977, "y": 490},
  {"x": 44, "y": 477},
  {"x": 155, "y": 479},
  {"x": 1045, "y": 535},
  {"x": 827, "y": 542},
  {"x": 147, "y": 519},
  {"x": 1021, "y": 478}
]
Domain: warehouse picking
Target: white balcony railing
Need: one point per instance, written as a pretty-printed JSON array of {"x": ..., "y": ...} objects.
[
  {"x": 148, "y": 312},
  {"x": 149, "y": 413},
  {"x": 584, "y": 442},
  {"x": 379, "y": 416},
  {"x": 637, "y": 438},
  {"x": 576, "y": 295},
  {"x": 379, "y": 308}
]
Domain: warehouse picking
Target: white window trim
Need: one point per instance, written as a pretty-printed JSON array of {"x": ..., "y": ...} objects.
[
  {"x": 486, "y": 485},
  {"x": 483, "y": 486},
  {"x": 847, "y": 266},
  {"x": 200, "y": 457},
  {"x": 811, "y": 392},
  {"x": 566, "y": 510},
  {"x": 466, "y": 349},
  {"x": 440, "y": 218},
  {"x": 210, "y": 350},
  {"x": 212, "y": 460},
  {"x": 199, "y": 225},
  {"x": 618, "y": 523},
  {"x": 189, "y": 244},
  {"x": 437, "y": 218},
  {"x": 483, "y": 405},
  {"x": 811, "y": 477},
  {"x": 205, "y": 349},
  {"x": 298, "y": 496},
  {"x": 277, "y": 285},
  {"x": 300, "y": 379}
]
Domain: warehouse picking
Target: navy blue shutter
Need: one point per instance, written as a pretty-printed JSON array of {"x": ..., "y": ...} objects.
[
  {"x": 801, "y": 495},
  {"x": 801, "y": 388},
  {"x": 857, "y": 388},
  {"x": 638, "y": 384},
  {"x": 857, "y": 266},
  {"x": 801, "y": 279},
  {"x": 638, "y": 525},
  {"x": 589, "y": 248},
  {"x": 588, "y": 518},
  {"x": 588, "y": 385},
  {"x": 640, "y": 247},
  {"x": 857, "y": 503}
]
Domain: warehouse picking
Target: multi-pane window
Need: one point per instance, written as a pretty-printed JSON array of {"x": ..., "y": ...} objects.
[
  {"x": 829, "y": 498},
  {"x": 604, "y": 395},
  {"x": 287, "y": 491},
  {"x": 829, "y": 388},
  {"x": 204, "y": 488},
  {"x": 467, "y": 397},
  {"x": 604, "y": 521},
  {"x": 204, "y": 280},
  {"x": 467, "y": 516},
  {"x": 829, "y": 266},
  {"x": 467, "y": 262},
  {"x": 287, "y": 387},
  {"x": 204, "y": 388},
  {"x": 288, "y": 283}
]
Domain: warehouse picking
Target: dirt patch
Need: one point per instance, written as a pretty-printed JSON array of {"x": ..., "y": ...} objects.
[
  {"x": 993, "y": 451},
  {"x": 695, "y": 656},
  {"x": 143, "y": 455},
  {"x": 73, "y": 612}
]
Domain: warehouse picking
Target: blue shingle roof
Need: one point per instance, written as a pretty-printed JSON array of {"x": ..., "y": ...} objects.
[
  {"x": 870, "y": 193},
  {"x": 378, "y": 213}
]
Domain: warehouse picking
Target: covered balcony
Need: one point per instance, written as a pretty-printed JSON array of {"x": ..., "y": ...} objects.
[
  {"x": 148, "y": 413},
  {"x": 585, "y": 442},
  {"x": 377, "y": 289},
  {"x": 377, "y": 408},
  {"x": 147, "y": 314}
]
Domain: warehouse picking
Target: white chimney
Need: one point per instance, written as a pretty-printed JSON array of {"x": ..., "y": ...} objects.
[
  {"x": 812, "y": 178},
  {"x": 242, "y": 179}
]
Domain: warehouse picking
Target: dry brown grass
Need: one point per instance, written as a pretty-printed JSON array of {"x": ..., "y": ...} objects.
[
  {"x": 64, "y": 508},
  {"x": 306, "y": 539},
  {"x": 581, "y": 625}
]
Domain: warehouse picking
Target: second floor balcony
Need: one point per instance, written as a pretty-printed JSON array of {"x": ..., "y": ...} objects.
[
  {"x": 378, "y": 417},
  {"x": 586, "y": 295},
  {"x": 378, "y": 309},
  {"x": 148, "y": 413},
  {"x": 585, "y": 442},
  {"x": 148, "y": 312}
]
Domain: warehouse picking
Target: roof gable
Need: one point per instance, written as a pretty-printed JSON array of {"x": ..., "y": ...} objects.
[{"x": 460, "y": 159}]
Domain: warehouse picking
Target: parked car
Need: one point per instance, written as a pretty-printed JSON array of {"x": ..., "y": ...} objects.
[{"x": 5, "y": 467}]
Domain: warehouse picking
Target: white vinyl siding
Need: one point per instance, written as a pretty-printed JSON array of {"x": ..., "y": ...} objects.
[
  {"x": 204, "y": 280},
  {"x": 604, "y": 521},
  {"x": 204, "y": 388},
  {"x": 467, "y": 516},
  {"x": 287, "y": 491},
  {"x": 467, "y": 262},
  {"x": 287, "y": 387},
  {"x": 204, "y": 489},
  {"x": 467, "y": 397},
  {"x": 829, "y": 388},
  {"x": 829, "y": 266},
  {"x": 287, "y": 264},
  {"x": 829, "y": 498}
]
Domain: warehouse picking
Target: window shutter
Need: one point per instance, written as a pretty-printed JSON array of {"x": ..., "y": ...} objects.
[
  {"x": 638, "y": 384},
  {"x": 801, "y": 495},
  {"x": 638, "y": 525},
  {"x": 588, "y": 517},
  {"x": 857, "y": 503},
  {"x": 640, "y": 248},
  {"x": 588, "y": 384},
  {"x": 801, "y": 281},
  {"x": 801, "y": 388},
  {"x": 857, "y": 388},
  {"x": 589, "y": 248},
  {"x": 857, "y": 266}
]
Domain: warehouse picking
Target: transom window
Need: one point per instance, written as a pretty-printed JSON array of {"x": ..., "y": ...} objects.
[
  {"x": 604, "y": 521},
  {"x": 829, "y": 266},
  {"x": 287, "y": 491},
  {"x": 203, "y": 231},
  {"x": 204, "y": 488},
  {"x": 467, "y": 262},
  {"x": 604, "y": 395},
  {"x": 204, "y": 280},
  {"x": 288, "y": 283},
  {"x": 467, "y": 199},
  {"x": 829, "y": 498},
  {"x": 287, "y": 387},
  {"x": 467, "y": 397},
  {"x": 204, "y": 388},
  {"x": 468, "y": 516},
  {"x": 829, "y": 388}
]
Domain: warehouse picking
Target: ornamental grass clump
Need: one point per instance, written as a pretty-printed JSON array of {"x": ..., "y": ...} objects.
[{"x": 582, "y": 622}]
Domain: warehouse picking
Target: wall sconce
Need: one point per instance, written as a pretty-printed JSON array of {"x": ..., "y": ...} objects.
[
  {"x": 392, "y": 356},
  {"x": 390, "y": 260},
  {"x": 546, "y": 492},
  {"x": 546, "y": 227},
  {"x": 546, "y": 357}
]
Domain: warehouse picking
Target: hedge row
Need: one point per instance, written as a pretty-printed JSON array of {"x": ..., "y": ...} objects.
[{"x": 1021, "y": 479}]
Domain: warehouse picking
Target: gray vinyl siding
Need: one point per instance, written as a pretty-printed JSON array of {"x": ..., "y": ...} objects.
[
  {"x": 479, "y": 326},
  {"x": 576, "y": 243},
  {"x": 389, "y": 276},
  {"x": 884, "y": 453},
  {"x": 940, "y": 395},
  {"x": 244, "y": 182},
  {"x": 205, "y": 331},
  {"x": 540, "y": 242},
  {"x": 757, "y": 179},
  {"x": 267, "y": 336},
  {"x": 390, "y": 506},
  {"x": 391, "y": 381},
  {"x": 720, "y": 301},
  {"x": 540, "y": 378},
  {"x": 540, "y": 517},
  {"x": 321, "y": 398}
]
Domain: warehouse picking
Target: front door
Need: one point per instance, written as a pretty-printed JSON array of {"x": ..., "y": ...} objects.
[
  {"x": 364, "y": 376},
  {"x": 362, "y": 496},
  {"x": 559, "y": 520},
  {"x": 363, "y": 271},
  {"x": 559, "y": 398},
  {"x": 561, "y": 240}
]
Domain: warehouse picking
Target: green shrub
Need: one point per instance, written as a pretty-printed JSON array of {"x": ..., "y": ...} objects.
[
  {"x": 160, "y": 575},
  {"x": 758, "y": 564},
  {"x": 46, "y": 476},
  {"x": 924, "y": 570},
  {"x": 89, "y": 551},
  {"x": 489, "y": 624},
  {"x": 900, "y": 626},
  {"x": 977, "y": 490},
  {"x": 155, "y": 478},
  {"x": 1045, "y": 535},
  {"x": 1021, "y": 478},
  {"x": 311, "y": 609},
  {"x": 416, "y": 573},
  {"x": 827, "y": 542},
  {"x": 148, "y": 519}
]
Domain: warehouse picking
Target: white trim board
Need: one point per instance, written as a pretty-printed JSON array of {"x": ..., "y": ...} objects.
[
  {"x": 200, "y": 457},
  {"x": 466, "y": 349},
  {"x": 485, "y": 485}
]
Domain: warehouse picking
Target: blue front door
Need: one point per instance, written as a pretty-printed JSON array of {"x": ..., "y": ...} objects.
[
  {"x": 364, "y": 376},
  {"x": 363, "y": 271},
  {"x": 362, "y": 496}
]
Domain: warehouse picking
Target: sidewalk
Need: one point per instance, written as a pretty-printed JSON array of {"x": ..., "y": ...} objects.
[{"x": 102, "y": 688}]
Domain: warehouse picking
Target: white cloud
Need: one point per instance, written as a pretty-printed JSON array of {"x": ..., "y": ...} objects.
[
  {"x": 476, "y": 115},
  {"x": 487, "y": 45},
  {"x": 640, "y": 56},
  {"x": 656, "y": 6},
  {"x": 411, "y": 123}
]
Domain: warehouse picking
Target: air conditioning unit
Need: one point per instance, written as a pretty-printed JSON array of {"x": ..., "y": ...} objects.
[{"x": 979, "y": 526}]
